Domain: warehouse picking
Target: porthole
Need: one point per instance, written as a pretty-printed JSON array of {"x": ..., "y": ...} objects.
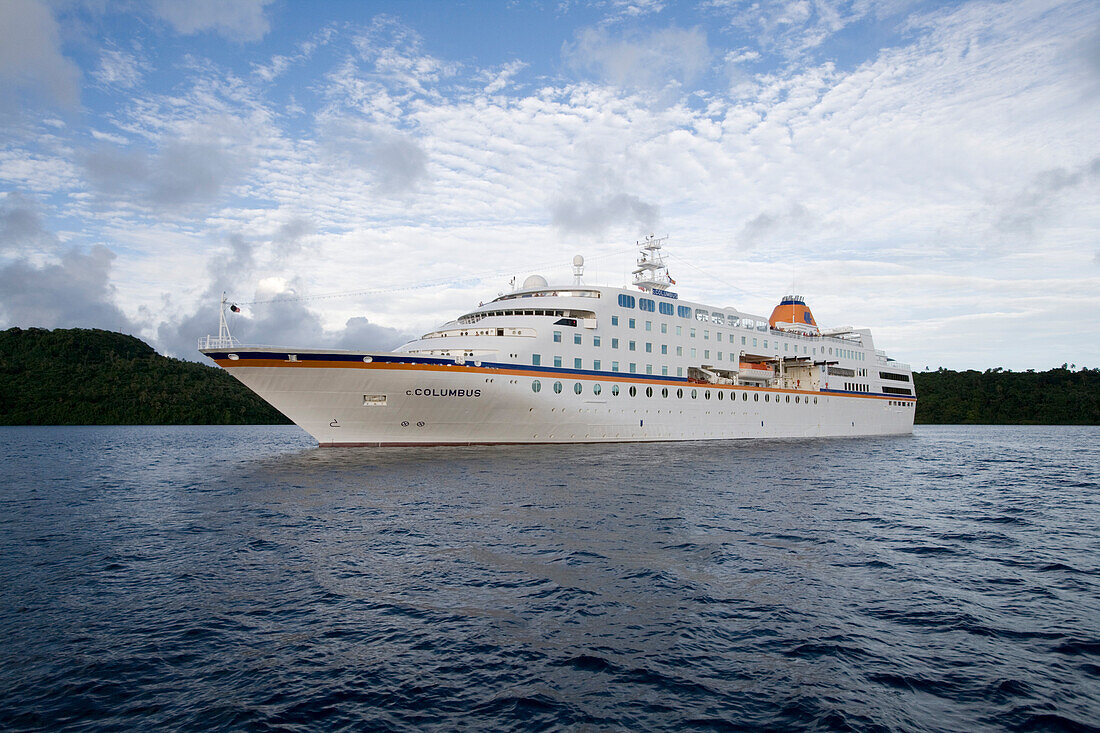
[
  {"x": 744, "y": 396},
  {"x": 694, "y": 394},
  {"x": 719, "y": 394},
  {"x": 367, "y": 360},
  {"x": 557, "y": 387},
  {"x": 648, "y": 391},
  {"x": 578, "y": 388},
  {"x": 234, "y": 357},
  {"x": 680, "y": 394},
  {"x": 615, "y": 390},
  {"x": 756, "y": 397},
  {"x": 536, "y": 386},
  {"x": 706, "y": 394},
  {"x": 796, "y": 398},
  {"x": 633, "y": 391},
  {"x": 788, "y": 399},
  {"x": 815, "y": 400},
  {"x": 664, "y": 391},
  {"x": 767, "y": 398},
  {"x": 596, "y": 389}
]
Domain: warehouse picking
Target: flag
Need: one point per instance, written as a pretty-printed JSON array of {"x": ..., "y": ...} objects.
[
  {"x": 670, "y": 277},
  {"x": 234, "y": 308}
]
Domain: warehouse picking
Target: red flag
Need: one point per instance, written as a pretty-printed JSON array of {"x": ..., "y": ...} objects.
[
  {"x": 670, "y": 278},
  {"x": 235, "y": 309}
]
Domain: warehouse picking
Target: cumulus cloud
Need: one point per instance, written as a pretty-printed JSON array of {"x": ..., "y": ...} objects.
[
  {"x": 31, "y": 63},
  {"x": 771, "y": 227},
  {"x": 288, "y": 237},
  {"x": 182, "y": 172},
  {"x": 73, "y": 292},
  {"x": 21, "y": 227},
  {"x": 239, "y": 20},
  {"x": 662, "y": 60},
  {"x": 1035, "y": 204},
  {"x": 587, "y": 216},
  {"x": 395, "y": 160}
]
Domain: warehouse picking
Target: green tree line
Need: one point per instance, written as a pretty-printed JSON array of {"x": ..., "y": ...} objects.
[
  {"x": 77, "y": 376},
  {"x": 997, "y": 397}
]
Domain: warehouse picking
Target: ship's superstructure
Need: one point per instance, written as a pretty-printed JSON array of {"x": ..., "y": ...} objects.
[{"x": 579, "y": 363}]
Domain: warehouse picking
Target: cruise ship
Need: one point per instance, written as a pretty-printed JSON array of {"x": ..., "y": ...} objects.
[{"x": 576, "y": 363}]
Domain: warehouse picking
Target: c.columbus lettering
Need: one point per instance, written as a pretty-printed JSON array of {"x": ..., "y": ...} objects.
[{"x": 431, "y": 392}]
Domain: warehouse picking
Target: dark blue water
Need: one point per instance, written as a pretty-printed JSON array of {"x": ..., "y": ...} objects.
[{"x": 241, "y": 579}]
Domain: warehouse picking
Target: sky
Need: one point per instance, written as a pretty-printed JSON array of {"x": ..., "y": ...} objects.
[{"x": 356, "y": 173}]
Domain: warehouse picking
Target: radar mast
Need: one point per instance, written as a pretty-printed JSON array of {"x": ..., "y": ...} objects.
[{"x": 651, "y": 273}]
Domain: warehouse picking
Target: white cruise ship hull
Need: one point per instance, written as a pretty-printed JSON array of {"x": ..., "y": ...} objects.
[{"x": 376, "y": 399}]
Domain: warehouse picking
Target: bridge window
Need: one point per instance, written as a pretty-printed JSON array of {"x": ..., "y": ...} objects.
[
  {"x": 683, "y": 311},
  {"x": 646, "y": 304},
  {"x": 665, "y": 308},
  {"x": 626, "y": 301}
]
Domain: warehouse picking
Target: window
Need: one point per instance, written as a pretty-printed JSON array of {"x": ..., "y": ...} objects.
[
  {"x": 702, "y": 315},
  {"x": 615, "y": 390},
  {"x": 536, "y": 386},
  {"x": 557, "y": 361},
  {"x": 614, "y": 343},
  {"x": 633, "y": 391},
  {"x": 626, "y": 301},
  {"x": 683, "y": 311},
  {"x": 596, "y": 388},
  {"x": 596, "y": 364},
  {"x": 557, "y": 387},
  {"x": 577, "y": 388},
  {"x": 679, "y": 371},
  {"x": 720, "y": 394},
  {"x": 664, "y": 328},
  {"x": 665, "y": 308},
  {"x": 664, "y": 391},
  {"x": 744, "y": 396},
  {"x": 649, "y": 347},
  {"x": 614, "y": 320},
  {"x": 630, "y": 323},
  {"x": 719, "y": 356},
  {"x": 765, "y": 343},
  {"x": 648, "y": 391},
  {"x": 679, "y": 331},
  {"x": 680, "y": 394},
  {"x": 756, "y": 397},
  {"x": 664, "y": 348},
  {"x": 614, "y": 366},
  {"x": 631, "y": 345},
  {"x": 706, "y": 335},
  {"x": 577, "y": 339},
  {"x": 692, "y": 352},
  {"x": 742, "y": 340},
  {"x": 646, "y": 304},
  {"x": 754, "y": 342},
  {"x": 595, "y": 340},
  {"x": 577, "y": 363},
  {"x": 633, "y": 367},
  {"x": 664, "y": 371},
  {"x": 649, "y": 325},
  {"x": 536, "y": 359},
  {"x": 718, "y": 318},
  {"x": 679, "y": 351},
  {"x": 706, "y": 353},
  {"x": 557, "y": 337},
  {"x": 692, "y": 333}
]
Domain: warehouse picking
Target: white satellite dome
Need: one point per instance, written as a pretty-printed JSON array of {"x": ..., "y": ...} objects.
[{"x": 534, "y": 281}]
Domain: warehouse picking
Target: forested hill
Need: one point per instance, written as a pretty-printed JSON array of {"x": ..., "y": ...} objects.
[
  {"x": 996, "y": 397},
  {"x": 79, "y": 376}
]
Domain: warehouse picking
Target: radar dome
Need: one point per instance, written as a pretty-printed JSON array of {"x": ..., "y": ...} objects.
[
  {"x": 534, "y": 281},
  {"x": 578, "y": 261}
]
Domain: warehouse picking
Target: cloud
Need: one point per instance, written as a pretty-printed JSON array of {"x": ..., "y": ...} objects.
[
  {"x": 118, "y": 69},
  {"x": 181, "y": 173},
  {"x": 772, "y": 227},
  {"x": 31, "y": 62},
  {"x": 582, "y": 215},
  {"x": 288, "y": 237},
  {"x": 73, "y": 292},
  {"x": 21, "y": 228},
  {"x": 395, "y": 160},
  {"x": 237, "y": 20},
  {"x": 1036, "y": 203},
  {"x": 792, "y": 28},
  {"x": 664, "y": 59}
]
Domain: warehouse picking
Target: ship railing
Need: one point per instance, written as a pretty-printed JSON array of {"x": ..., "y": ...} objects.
[{"x": 213, "y": 342}]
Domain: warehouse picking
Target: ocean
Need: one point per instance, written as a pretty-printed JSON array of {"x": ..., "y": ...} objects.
[{"x": 240, "y": 578}]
